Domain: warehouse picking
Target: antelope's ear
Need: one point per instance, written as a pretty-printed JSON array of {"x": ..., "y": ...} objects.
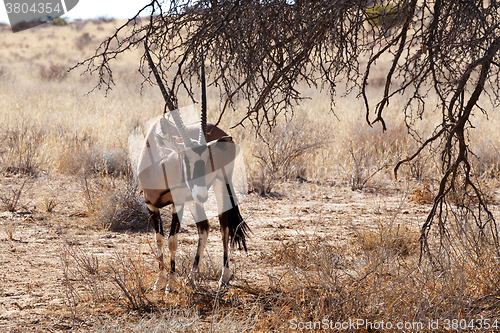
[
  {"x": 224, "y": 151},
  {"x": 226, "y": 138},
  {"x": 221, "y": 143},
  {"x": 167, "y": 144}
]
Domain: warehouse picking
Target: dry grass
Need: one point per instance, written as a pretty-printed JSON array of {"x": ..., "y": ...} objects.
[
  {"x": 368, "y": 154},
  {"x": 399, "y": 239},
  {"x": 94, "y": 285},
  {"x": 9, "y": 227},
  {"x": 171, "y": 321},
  {"x": 51, "y": 126},
  {"x": 88, "y": 282},
  {"x": 49, "y": 202},
  {"x": 384, "y": 282}
]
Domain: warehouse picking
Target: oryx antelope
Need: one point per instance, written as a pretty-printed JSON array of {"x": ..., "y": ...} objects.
[{"x": 180, "y": 173}]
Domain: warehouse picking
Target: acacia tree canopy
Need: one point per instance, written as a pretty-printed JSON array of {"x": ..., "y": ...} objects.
[{"x": 259, "y": 51}]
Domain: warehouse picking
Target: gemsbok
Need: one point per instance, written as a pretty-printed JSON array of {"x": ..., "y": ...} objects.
[{"x": 177, "y": 165}]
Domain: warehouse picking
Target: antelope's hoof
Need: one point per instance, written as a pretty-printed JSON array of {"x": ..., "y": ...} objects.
[
  {"x": 171, "y": 290},
  {"x": 226, "y": 277},
  {"x": 160, "y": 282},
  {"x": 157, "y": 287},
  {"x": 172, "y": 285},
  {"x": 224, "y": 282},
  {"x": 191, "y": 279}
]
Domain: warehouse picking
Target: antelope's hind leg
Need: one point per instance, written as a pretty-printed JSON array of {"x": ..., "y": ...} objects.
[
  {"x": 224, "y": 204},
  {"x": 224, "y": 230},
  {"x": 203, "y": 228},
  {"x": 172, "y": 246}
]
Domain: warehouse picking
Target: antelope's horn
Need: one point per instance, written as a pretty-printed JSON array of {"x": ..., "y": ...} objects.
[
  {"x": 181, "y": 128},
  {"x": 203, "y": 129}
]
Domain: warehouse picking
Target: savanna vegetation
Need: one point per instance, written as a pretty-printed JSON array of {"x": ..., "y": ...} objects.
[{"x": 336, "y": 236}]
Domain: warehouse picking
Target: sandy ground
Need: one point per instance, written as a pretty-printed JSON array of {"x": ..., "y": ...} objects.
[{"x": 32, "y": 241}]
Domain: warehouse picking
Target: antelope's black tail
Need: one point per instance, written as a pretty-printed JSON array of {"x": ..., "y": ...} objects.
[{"x": 238, "y": 228}]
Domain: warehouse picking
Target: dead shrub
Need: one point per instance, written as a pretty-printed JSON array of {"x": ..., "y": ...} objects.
[
  {"x": 83, "y": 41},
  {"x": 114, "y": 203},
  {"x": 82, "y": 154},
  {"x": 421, "y": 169},
  {"x": 94, "y": 284},
  {"x": 368, "y": 151},
  {"x": 422, "y": 194},
  {"x": 48, "y": 202},
  {"x": 53, "y": 72},
  {"x": 313, "y": 286},
  {"x": 84, "y": 280},
  {"x": 91, "y": 282},
  {"x": 10, "y": 202},
  {"x": 131, "y": 276},
  {"x": 22, "y": 150},
  {"x": 281, "y": 154}
]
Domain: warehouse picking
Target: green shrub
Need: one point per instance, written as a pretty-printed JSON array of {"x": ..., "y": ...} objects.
[
  {"x": 383, "y": 15},
  {"x": 59, "y": 21}
]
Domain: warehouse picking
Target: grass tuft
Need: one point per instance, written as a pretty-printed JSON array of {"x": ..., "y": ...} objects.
[
  {"x": 10, "y": 202},
  {"x": 114, "y": 203}
]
